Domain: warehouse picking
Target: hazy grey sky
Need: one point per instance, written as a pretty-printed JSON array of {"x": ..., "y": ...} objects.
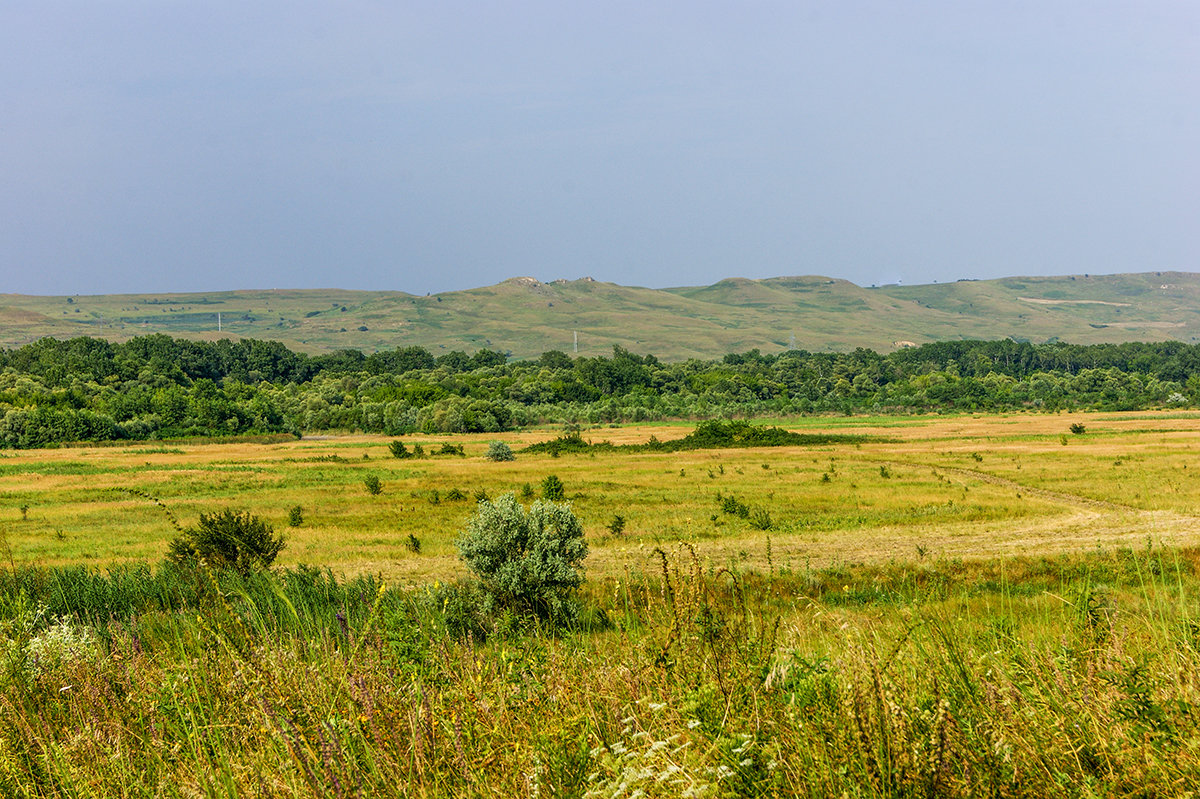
[{"x": 159, "y": 145}]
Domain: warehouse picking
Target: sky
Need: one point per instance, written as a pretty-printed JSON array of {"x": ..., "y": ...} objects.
[{"x": 166, "y": 145}]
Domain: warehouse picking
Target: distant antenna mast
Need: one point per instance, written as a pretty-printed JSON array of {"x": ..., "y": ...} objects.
[
  {"x": 576, "y": 341},
  {"x": 219, "y": 322},
  {"x": 792, "y": 342}
]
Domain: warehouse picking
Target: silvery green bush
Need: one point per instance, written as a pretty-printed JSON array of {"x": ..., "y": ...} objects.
[
  {"x": 527, "y": 560},
  {"x": 499, "y": 451}
]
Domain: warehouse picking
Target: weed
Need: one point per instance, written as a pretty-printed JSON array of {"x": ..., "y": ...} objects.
[
  {"x": 733, "y": 506},
  {"x": 760, "y": 519}
]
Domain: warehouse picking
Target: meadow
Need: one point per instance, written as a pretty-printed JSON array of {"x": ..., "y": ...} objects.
[
  {"x": 925, "y": 486},
  {"x": 945, "y": 606}
]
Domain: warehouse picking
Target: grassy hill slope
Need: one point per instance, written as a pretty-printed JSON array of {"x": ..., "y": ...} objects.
[{"x": 526, "y": 317}]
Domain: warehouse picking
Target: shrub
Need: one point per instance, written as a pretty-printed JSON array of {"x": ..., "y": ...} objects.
[
  {"x": 1078, "y": 429},
  {"x": 295, "y": 517},
  {"x": 552, "y": 489},
  {"x": 499, "y": 451},
  {"x": 617, "y": 525},
  {"x": 398, "y": 450},
  {"x": 373, "y": 485},
  {"x": 528, "y": 561},
  {"x": 229, "y": 539},
  {"x": 455, "y": 495}
]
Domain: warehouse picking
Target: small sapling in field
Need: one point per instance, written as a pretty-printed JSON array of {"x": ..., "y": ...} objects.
[
  {"x": 617, "y": 525},
  {"x": 295, "y": 517},
  {"x": 372, "y": 484},
  {"x": 552, "y": 488}
]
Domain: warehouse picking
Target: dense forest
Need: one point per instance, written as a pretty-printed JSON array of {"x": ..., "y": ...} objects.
[{"x": 156, "y": 387}]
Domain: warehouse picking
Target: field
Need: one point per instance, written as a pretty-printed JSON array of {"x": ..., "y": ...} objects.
[
  {"x": 961, "y": 487},
  {"x": 949, "y": 606}
]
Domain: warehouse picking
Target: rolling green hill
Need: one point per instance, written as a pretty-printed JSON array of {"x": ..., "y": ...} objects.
[{"x": 525, "y": 317}]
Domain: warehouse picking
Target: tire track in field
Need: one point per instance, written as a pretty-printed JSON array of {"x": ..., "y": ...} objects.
[{"x": 1041, "y": 493}]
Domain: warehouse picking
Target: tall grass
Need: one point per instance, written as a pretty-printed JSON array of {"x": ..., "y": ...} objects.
[{"x": 1072, "y": 676}]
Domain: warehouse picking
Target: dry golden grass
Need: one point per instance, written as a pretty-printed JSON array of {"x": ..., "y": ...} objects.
[{"x": 964, "y": 486}]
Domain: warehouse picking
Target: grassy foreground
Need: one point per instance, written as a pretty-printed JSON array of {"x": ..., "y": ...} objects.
[{"x": 1065, "y": 676}]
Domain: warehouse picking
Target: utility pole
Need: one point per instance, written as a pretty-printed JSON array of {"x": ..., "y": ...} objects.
[
  {"x": 218, "y": 321},
  {"x": 576, "y": 332}
]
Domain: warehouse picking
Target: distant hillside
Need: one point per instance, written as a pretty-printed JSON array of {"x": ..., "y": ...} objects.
[{"x": 525, "y": 317}]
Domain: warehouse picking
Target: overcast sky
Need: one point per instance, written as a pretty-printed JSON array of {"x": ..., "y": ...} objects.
[{"x": 161, "y": 145}]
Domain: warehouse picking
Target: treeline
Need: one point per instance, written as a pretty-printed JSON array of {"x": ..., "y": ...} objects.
[{"x": 159, "y": 387}]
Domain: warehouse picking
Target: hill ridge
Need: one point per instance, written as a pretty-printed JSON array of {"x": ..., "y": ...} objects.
[{"x": 525, "y": 316}]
